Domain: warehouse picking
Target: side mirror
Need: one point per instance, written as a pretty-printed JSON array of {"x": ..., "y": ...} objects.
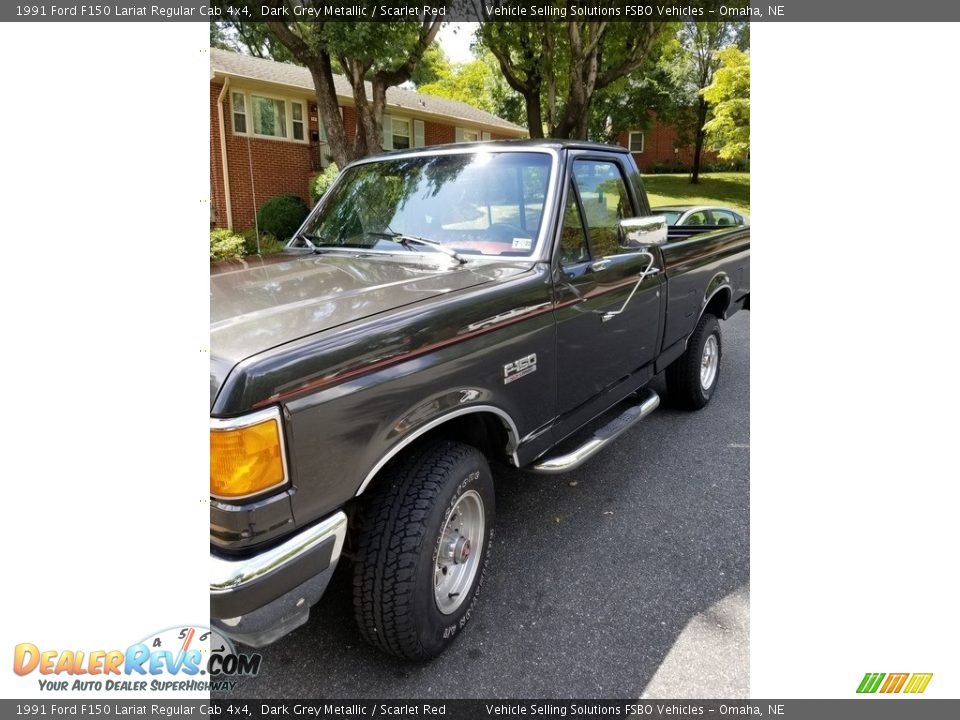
[{"x": 642, "y": 231}]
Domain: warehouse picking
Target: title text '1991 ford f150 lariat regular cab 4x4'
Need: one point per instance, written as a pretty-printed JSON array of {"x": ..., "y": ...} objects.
[{"x": 439, "y": 309}]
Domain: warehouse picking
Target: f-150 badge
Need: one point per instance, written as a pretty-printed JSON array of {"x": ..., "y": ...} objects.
[{"x": 518, "y": 368}]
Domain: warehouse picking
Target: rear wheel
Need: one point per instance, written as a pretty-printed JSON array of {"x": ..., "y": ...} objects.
[
  {"x": 693, "y": 377},
  {"x": 423, "y": 549}
]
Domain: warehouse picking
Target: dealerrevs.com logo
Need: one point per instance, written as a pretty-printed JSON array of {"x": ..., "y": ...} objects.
[
  {"x": 178, "y": 659},
  {"x": 910, "y": 683}
]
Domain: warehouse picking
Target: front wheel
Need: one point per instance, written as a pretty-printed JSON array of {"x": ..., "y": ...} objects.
[
  {"x": 423, "y": 549},
  {"x": 693, "y": 377}
]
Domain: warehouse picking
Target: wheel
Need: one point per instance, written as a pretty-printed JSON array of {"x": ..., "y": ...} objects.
[
  {"x": 693, "y": 377},
  {"x": 422, "y": 550}
]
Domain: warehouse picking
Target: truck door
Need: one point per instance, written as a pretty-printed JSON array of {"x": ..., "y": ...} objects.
[{"x": 596, "y": 353}]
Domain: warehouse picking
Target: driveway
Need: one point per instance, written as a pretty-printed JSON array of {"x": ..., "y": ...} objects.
[{"x": 627, "y": 578}]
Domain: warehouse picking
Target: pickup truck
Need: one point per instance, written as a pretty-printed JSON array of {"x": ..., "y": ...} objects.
[{"x": 439, "y": 311}]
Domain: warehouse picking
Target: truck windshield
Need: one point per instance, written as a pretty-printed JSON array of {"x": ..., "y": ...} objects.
[{"x": 481, "y": 203}]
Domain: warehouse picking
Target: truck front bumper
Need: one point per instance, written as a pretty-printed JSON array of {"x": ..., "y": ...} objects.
[{"x": 261, "y": 598}]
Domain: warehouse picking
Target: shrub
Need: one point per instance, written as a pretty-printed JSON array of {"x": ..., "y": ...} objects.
[
  {"x": 225, "y": 244},
  {"x": 667, "y": 167},
  {"x": 268, "y": 243},
  {"x": 323, "y": 181},
  {"x": 282, "y": 215}
]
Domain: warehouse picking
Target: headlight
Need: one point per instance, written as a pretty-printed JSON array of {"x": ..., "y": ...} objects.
[{"x": 246, "y": 455}]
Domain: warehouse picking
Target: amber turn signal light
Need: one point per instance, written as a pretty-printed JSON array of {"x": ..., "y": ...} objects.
[{"x": 246, "y": 455}]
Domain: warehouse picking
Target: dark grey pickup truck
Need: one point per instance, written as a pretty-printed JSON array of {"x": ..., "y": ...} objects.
[{"x": 440, "y": 310}]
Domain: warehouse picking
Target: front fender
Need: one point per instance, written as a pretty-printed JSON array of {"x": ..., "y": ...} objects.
[{"x": 436, "y": 411}]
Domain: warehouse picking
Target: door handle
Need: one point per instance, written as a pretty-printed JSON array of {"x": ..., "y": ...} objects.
[
  {"x": 599, "y": 265},
  {"x": 648, "y": 270}
]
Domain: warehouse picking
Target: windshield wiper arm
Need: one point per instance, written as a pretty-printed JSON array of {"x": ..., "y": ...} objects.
[{"x": 407, "y": 240}]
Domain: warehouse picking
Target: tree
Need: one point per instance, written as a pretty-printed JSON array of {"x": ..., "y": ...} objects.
[
  {"x": 250, "y": 38},
  {"x": 696, "y": 62},
  {"x": 729, "y": 95},
  {"x": 473, "y": 83},
  {"x": 632, "y": 102},
  {"x": 384, "y": 54},
  {"x": 433, "y": 66},
  {"x": 558, "y": 67}
]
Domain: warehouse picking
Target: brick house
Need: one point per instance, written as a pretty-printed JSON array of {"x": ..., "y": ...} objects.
[
  {"x": 657, "y": 146},
  {"x": 266, "y": 137}
]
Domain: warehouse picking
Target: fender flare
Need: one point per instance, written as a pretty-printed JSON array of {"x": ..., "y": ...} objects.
[
  {"x": 719, "y": 283},
  {"x": 513, "y": 437}
]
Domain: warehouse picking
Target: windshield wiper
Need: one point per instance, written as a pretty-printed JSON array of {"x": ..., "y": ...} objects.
[{"x": 408, "y": 240}]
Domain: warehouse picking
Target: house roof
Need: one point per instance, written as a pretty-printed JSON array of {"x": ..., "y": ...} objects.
[{"x": 226, "y": 63}]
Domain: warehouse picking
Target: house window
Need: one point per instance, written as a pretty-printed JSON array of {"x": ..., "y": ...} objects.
[
  {"x": 401, "y": 134},
  {"x": 269, "y": 117},
  {"x": 471, "y": 136},
  {"x": 297, "y": 113},
  {"x": 239, "y": 113},
  {"x": 636, "y": 142}
]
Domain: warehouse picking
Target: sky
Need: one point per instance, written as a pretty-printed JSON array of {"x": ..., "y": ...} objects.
[{"x": 455, "y": 39}]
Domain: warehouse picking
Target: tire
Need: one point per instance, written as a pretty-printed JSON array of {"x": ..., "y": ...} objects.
[
  {"x": 409, "y": 560},
  {"x": 689, "y": 385}
]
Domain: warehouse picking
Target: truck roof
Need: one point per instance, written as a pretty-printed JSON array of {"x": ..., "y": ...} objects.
[{"x": 554, "y": 143}]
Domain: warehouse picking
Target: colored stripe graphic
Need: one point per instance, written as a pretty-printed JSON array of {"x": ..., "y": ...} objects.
[
  {"x": 870, "y": 682},
  {"x": 915, "y": 683},
  {"x": 918, "y": 682},
  {"x": 894, "y": 682}
]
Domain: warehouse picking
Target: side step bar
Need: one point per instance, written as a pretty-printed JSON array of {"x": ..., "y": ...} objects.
[{"x": 649, "y": 401}]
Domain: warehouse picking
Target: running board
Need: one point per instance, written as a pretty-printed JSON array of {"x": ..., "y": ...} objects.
[{"x": 649, "y": 401}]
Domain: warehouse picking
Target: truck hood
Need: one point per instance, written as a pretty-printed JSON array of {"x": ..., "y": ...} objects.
[{"x": 259, "y": 303}]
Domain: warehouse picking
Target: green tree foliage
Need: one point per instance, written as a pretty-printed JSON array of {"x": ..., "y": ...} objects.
[
  {"x": 558, "y": 68},
  {"x": 323, "y": 181},
  {"x": 433, "y": 66},
  {"x": 251, "y": 38},
  {"x": 694, "y": 63},
  {"x": 729, "y": 95},
  {"x": 474, "y": 83}
]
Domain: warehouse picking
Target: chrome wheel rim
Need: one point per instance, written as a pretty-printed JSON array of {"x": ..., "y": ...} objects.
[
  {"x": 458, "y": 556},
  {"x": 709, "y": 362}
]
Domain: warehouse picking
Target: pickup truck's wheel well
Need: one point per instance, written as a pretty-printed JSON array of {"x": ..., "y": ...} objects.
[
  {"x": 485, "y": 431},
  {"x": 718, "y": 304},
  {"x": 482, "y": 430}
]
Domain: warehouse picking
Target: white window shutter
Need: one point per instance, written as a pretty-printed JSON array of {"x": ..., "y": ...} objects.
[
  {"x": 387, "y": 132},
  {"x": 418, "y": 133},
  {"x": 485, "y": 136},
  {"x": 459, "y": 135}
]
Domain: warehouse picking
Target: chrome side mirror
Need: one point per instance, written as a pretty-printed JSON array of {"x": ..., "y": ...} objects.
[{"x": 642, "y": 231}]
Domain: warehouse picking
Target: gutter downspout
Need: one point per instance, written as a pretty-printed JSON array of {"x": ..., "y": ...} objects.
[{"x": 223, "y": 153}]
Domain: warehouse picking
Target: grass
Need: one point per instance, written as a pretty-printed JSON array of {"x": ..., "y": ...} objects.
[{"x": 731, "y": 189}]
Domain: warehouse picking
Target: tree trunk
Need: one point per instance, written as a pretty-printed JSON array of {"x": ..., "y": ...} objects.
[
  {"x": 698, "y": 142},
  {"x": 551, "y": 80},
  {"x": 366, "y": 142},
  {"x": 534, "y": 116},
  {"x": 327, "y": 105}
]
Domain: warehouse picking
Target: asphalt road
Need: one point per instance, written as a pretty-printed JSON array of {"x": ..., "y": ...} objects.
[{"x": 627, "y": 578}]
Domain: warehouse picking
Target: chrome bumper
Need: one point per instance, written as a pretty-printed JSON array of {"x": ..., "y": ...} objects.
[{"x": 258, "y": 599}]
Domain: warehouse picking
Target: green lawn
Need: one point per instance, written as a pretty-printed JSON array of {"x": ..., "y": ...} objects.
[{"x": 731, "y": 189}]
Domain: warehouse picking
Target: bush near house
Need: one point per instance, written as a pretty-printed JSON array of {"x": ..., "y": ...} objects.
[
  {"x": 323, "y": 181},
  {"x": 268, "y": 243},
  {"x": 282, "y": 215},
  {"x": 225, "y": 244}
]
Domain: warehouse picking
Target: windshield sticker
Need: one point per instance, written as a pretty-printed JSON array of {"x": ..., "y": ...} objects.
[{"x": 522, "y": 243}]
